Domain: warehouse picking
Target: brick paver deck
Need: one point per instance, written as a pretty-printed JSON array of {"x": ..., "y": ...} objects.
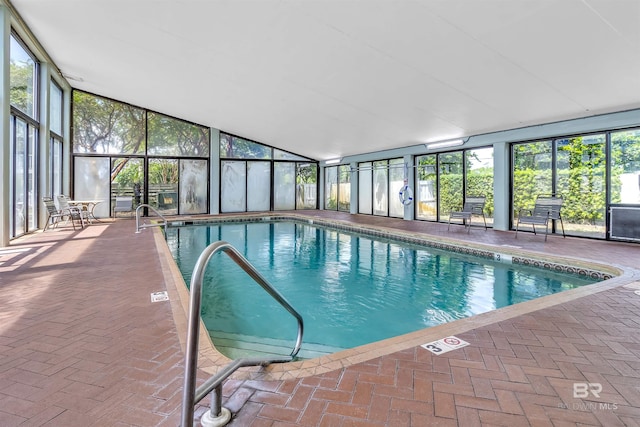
[{"x": 81, "y": 344}]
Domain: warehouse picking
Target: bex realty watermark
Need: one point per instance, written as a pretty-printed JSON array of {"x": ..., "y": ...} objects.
[{"x": 585, "y": 391}]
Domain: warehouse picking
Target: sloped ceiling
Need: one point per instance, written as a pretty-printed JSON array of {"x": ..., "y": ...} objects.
[{"x": 330, "y": 78}]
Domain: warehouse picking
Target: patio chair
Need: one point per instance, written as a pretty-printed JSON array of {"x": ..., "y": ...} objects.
[
  {"x": 473, "y": 205},
  {"x": 123, "y": 204},
  {"x": 74, "y": 212},
  {"x": 57, "y": 215},
  {"x": 546, "y": 210}
]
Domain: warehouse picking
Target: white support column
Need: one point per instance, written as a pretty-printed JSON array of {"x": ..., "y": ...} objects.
[{"x": 501, "y": 173}]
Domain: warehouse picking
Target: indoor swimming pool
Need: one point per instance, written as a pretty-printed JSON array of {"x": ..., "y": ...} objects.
[{"x": 351, "y": 288}]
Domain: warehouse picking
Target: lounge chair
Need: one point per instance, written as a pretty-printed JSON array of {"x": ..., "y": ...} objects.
[
  {"x": 546, "y": 209},
  {"x": 56, "y": 215},
  {"x": 123, "y": 204},
  {"x": 473, "y": 205}
]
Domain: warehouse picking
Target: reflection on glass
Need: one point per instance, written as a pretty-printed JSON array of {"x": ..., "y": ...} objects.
[
  {"x": 396, "y": 182},
  {"x": 365, "y": 188},
  {"x": 258, "y": 186},
  {"x": 381, "y": 191},
  {"x": 233, "y": 196},
  {"x": 91, "y": 182},
  {"x": 427, "y": 194},
  {"x": 284, "y": 185},
  {"x": 193, "y": 186},
  {"x": 55, "y": 108}
]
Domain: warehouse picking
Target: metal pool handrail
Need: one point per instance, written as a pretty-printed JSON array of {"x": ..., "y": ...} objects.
[
  {"x": 190, "y": 395},
  {"x": 139, "y": 227}
]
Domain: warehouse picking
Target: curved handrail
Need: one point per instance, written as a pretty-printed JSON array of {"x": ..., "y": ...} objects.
[
  {"x": 144, "y": 205},
  {"x": 191, "y": 396}
]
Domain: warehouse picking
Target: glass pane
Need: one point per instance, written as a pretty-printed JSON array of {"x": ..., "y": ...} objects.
[
  {"x": 233, "y": 185},
  {"x": 56, "y": 167},
  {"x": 172, "y": 137},
  {"x": 580, "y": 176},
  {"x": 91, "y": 182},
  {"x": 103, "y": 126},
  {"x": 127, "y": 179},
  {"x": 284, "y": 188},
  {"x": 396, "y": 182},
  {"x": 451, "y": 188},
  {"x": 163, "y": 185},
  {"x": 283, "y": 155},
  {"x": 427, "y": 188},
  {"x": 20, "y": 184},
  {"x": 625, "y": 167},
  {"x": 381, "y": 194},
  {"x": 531, "y": 174},
  {"x": 32, "y": 177},
  {"x": 55, "y": 108},
  {"x": 480, "y": 177},
  {"x": 194, "y": 177},
  {"x": 365, "y": 175},
  {"x": 344, "y": 188},
  {"x": 331, "y": 188},
  {"x": 22, "y": 79},
  {"x": 307, "y": 186},
  {"x": 240, "y": 148},
  {"x": 258, "y": 186}
]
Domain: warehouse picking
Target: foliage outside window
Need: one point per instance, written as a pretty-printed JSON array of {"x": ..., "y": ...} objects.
[
  {"x": 307, "y": 186},
  {"x": 103, "y": 126},
  {"x": 450, "y": 183},
  {"x": 233, "y": 147},
  {"x": 427, "y": 187},
  {"x": 172, "y": 137},
  {"x": 22, "y": 79},
  {"x": 625, "y": 167}
]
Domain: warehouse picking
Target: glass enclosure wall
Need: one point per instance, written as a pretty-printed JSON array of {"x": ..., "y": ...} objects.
[
  {"x": 444, "y": 180},
  {"x": 23, "y": 139},
  {"x": 56, "y": 134},
  {"x": 625, "y": 168},
  {"x": 337, "y": 181},
  {"x": 123, "y": 150},
  {"x": 255, "y": 177},
  {"x": 365, "y": 188},
  {"x": 579, "y": 169}
]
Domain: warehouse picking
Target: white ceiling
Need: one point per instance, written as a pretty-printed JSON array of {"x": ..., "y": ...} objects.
[{"x": 330, "y": 78}]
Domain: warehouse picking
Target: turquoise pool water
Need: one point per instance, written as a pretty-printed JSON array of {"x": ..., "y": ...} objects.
[{"x": 350, "y": 289}]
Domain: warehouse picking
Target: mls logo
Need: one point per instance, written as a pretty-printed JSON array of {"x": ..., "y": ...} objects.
[{"x": 582, "y": 390}]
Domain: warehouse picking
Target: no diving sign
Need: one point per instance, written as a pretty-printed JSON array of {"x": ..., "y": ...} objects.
[{"x": 444, "y": 345}]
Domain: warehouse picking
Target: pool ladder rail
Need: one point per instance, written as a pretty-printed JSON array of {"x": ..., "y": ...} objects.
[
  {"x": 217, "y": 415},
  {"x": 140, "y": 227}
]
